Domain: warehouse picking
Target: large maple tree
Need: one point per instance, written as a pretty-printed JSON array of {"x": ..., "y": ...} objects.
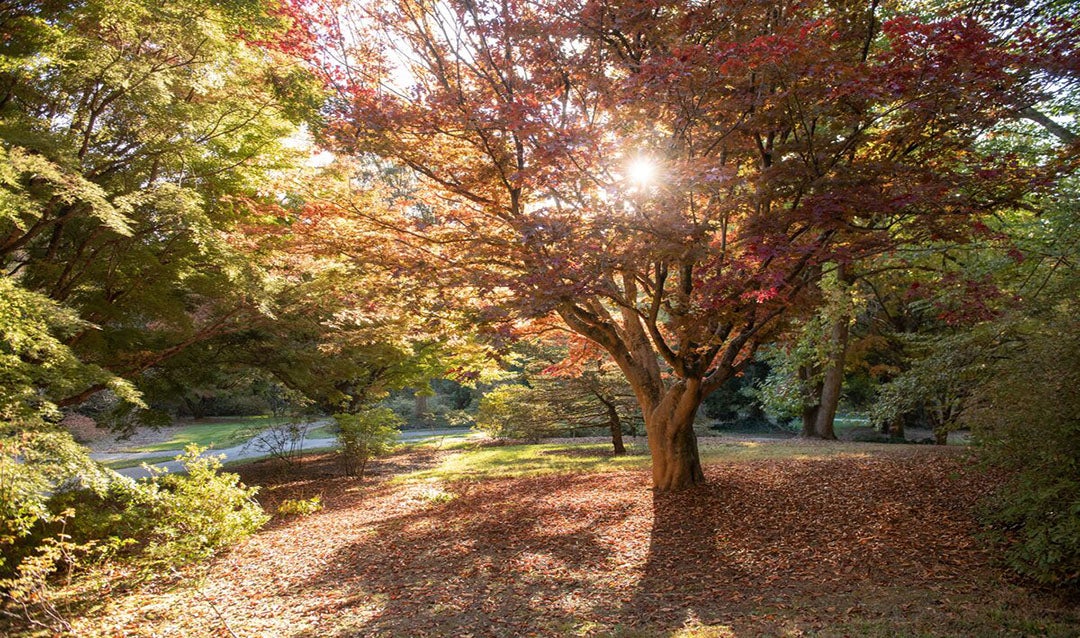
[{"x": 670, "y": 178}]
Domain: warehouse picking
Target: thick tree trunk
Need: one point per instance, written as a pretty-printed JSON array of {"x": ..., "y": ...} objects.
[
  {"x": 676, "y": 464},
  {"x": 420, "y": 406}
]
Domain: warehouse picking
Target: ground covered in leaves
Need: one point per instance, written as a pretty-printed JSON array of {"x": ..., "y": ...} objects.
[{"x": 878, "y": 543}]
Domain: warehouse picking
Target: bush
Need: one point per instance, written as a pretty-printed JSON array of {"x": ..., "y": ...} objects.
[
  {"x": 300, "y": 507},
  {"x": 284, "y": 441},
  {"x": 1027, "y": 420},
  {"x": 193, "y": 515},
  {"x": 35, "y": 459},
  {"x": 517, "y": 412},
  {"x": 365, "y": 435},
  {"x": 169, "y": 519}
]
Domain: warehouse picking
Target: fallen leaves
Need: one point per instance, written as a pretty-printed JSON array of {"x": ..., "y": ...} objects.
[{"x": 773, "y": 546}]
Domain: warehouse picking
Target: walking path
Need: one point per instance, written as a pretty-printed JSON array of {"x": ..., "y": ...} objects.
[{"x": 248, "y": 450}]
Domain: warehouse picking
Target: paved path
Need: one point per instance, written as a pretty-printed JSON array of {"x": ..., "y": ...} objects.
[{"x": 249, "y": 450}]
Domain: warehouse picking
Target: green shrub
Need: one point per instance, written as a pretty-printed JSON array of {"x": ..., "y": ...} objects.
[
  {"x": 365, "y": 435},
  {"x": 195, "y": 514},
  {"x": 1027, "y": 420},
  {"x": 169, "y": 519},
  {"x": 35, "y": 460},
  {"x": 515, "y": 412},
  {"x": 300, "y": 507}
]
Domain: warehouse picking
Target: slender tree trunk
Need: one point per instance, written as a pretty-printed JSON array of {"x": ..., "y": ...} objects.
[
  {"x": 614, "y": 423},
  {"x": 833, "y": 380},
  {"x": 676, "y": 464},
  {"x": 616, "y": 432},
  {"x": 810, "y": 410},
  {"x": 895, "y": 428}
]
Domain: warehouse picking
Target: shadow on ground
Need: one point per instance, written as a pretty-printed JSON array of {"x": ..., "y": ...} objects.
[{"x": 875, "y": 546}]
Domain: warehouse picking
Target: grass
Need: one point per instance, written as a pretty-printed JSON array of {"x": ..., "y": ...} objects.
[
  {"x": 470, "y": 461},
  {"x": 126, "y": 463},
  {"x": 218, "y": 433}
]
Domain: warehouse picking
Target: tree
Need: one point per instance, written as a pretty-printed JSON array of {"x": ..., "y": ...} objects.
[
  {"x": 129, "y": 129},
  {"x": 781, "y": 138},
  {"x": 564, "y": 387}
]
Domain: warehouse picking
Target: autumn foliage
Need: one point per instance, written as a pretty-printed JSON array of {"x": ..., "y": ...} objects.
[{"x": 787, "y": 139}]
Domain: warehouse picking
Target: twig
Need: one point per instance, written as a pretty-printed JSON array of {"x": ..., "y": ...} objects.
[{"x": 217, "y": 611}]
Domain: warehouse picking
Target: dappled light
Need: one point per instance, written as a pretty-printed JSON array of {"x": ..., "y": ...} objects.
[
  {"x": 595, "y": 318},
  {"x": 595, "y": 553}
]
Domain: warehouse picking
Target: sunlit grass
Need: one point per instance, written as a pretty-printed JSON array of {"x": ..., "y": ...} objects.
[
  {"x": 475, "y": 462},
  {"x": 126, "y": 463},
  {"x": 217, "y": 434},
  {"x": 470, "y": 462}
]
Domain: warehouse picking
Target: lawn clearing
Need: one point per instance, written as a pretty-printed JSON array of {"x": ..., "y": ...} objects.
[
  {"x": 217, "y": 433},
  {"x": 869, "y": 540}
]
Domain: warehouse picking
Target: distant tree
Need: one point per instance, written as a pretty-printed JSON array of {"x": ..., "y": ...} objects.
[{"x": 561, "y": 392}]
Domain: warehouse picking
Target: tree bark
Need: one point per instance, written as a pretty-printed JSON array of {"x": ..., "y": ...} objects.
[
  {"x": 833, "y": 380},
  {"x": 614, "y": 423},
  {"x": 810, "y": 411},
  {"x": 895, "y": 428},
  {"x": 676, "y": 464},
  {"x": 420, "y": 406}
]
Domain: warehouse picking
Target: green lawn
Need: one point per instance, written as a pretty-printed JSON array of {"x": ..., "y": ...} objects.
[
  {"x": 471, "y": 461},
  {"x": 217, "y": 433}
]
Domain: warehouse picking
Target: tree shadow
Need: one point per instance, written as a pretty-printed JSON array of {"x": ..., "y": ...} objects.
[
  {"x": 764, "y": 547},
  {"x": 502, "y": 558},
  {"x": 794, "y": 543}
]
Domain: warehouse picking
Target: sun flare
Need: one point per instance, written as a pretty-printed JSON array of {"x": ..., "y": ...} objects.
[{"x": 642, "y": 171}]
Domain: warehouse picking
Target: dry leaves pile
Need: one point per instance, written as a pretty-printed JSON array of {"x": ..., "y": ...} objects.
[{"x": 847, "y": 545}]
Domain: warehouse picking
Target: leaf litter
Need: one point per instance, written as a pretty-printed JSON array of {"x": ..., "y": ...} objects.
[{"x": 884, "y": 543}]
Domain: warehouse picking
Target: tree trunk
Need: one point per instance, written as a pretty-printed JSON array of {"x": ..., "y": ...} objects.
[
  {"x": 833, "y": 379},
  {"x": 672, "y": 442},
  {"x": 420, "y": 407},
  {"x": 895, "y": 428},
  {"x": 809, "y": 411},
  {"x": 616, "y": 438},
  {"x": 614, "y": 423},
  {"x": 809, "y": 420}
]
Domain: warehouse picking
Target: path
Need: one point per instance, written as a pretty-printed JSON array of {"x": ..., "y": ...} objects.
[{"x": 247, "y": 450}]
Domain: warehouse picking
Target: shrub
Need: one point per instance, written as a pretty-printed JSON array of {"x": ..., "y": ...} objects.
[
  {"x": 366, "y": 434},
  {"x": 284, "y": 441},
  {"x": 169, "y": 519},
  {"x": 193, "y": 515},
  {"x": 34, "y": 461},
  {"x": 517, "y": 412},
  {"x": 300, "y": 507},
  {"x": 1027, "y": 420}
]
